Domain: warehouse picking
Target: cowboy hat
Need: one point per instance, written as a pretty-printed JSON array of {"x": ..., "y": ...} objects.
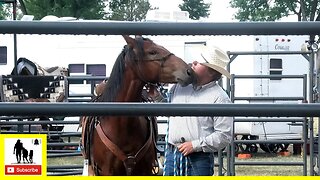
[{"x": 216, "y": 59}]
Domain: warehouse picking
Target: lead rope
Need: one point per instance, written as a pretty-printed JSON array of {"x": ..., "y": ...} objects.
[
  {"x": 166, "y": 149},
  {"x": 180, "y": 160}
]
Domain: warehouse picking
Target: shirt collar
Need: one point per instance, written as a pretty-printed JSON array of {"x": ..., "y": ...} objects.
[{"x": 205, "y": 86}]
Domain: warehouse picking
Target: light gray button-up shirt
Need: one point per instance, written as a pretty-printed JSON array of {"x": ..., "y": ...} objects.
[{"x": 207, "y": 134}]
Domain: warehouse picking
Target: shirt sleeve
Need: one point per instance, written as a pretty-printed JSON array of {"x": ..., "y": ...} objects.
[{"x": 221, "y": 136}]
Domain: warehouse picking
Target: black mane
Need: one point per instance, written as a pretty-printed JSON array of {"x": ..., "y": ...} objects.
[{"x": 114, "y": 83}]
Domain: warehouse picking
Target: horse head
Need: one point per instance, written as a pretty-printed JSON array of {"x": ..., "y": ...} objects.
[{"x": 154, "y": 63}]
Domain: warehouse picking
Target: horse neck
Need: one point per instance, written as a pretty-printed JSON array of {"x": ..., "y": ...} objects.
[
  {"x": 123, "y": 126},
  {"x": 131, "y": 89}
]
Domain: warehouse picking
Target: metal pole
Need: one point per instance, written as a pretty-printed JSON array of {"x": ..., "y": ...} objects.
[
  {"x": 305, "y": 127},
  {"x": 14, "y": 14},
  {"x": 220, "y": 162},
  {"x": 311, "y": 100},
  {"x": 232, "y": 149},
  {"x": 160, "y": 28}
]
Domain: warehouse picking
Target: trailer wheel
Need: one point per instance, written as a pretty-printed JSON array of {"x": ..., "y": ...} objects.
[
  {"x": 253, "y": 148},
  {"x": 283, "y": 147},
  {"x": 269, "y": 148}
]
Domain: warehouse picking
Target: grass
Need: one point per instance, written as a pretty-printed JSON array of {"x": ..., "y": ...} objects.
[
  {"x": 270, "y": 170},
  {"x": 240, "y": 170},
  {"x": 77, "y": 160}
]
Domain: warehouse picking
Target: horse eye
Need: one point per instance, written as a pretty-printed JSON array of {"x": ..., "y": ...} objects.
[{"x": 153, "y": 52}]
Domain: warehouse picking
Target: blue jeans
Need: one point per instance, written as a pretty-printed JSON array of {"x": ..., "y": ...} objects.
[{"x": 197, "y": 163}]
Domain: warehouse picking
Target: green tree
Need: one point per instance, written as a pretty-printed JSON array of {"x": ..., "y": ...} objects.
[
  {"x": 196, "y": 8},
  {"x": 93, "y": 9},
  {"x": 270, "y": 10},
  {"x": 129, "y": 10},
  {"x": 5, "y": 10}
]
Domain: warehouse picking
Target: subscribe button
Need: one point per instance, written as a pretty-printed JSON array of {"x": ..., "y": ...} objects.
[{"x": 23, "y": 170}]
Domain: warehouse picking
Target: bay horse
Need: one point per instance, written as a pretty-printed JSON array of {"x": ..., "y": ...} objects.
[{"x": 123, "y": 145}]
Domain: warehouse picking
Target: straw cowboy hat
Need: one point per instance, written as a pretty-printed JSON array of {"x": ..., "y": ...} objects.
[{"x": 216, "y": 59}]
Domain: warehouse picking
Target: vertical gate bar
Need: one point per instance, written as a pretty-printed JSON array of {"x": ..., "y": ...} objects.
[
  {"x": 220, "y": 163},
  {"x": 228, "y": 160},
  {"x": 304, "y": 127},
  {"x": 232, "y": 152},
  {"x": 311, "y": 100}
]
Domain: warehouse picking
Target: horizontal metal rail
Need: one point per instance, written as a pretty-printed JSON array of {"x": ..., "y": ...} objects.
[
  {"x": 65, "y": 134},
  {"x": 61, "y": 144},
  {"x": 284, "y": 141},
  {"x": 269, "y": 52},
  {"x": 268, "y": 120},
  {"x": 78, "y": 100},
  {"x": 251, "y": 163},
  {"x": 36, "y": 122},
  {"x": 63, "y": 155},
  {"x": 56, "y": 170},
  {"x": 53, "y": 167},
  {"x": 268, "y": 76},
  {"x": 76, "y": 172},
  {"x": 161, "y": 109},
  {"x": 61, "y": 151},
  {"x": 65, "y": 170},
  {"x": 50, "y": 133},
  {"x": 82, "y": 78},
  {"x": 80, "y": 95},
  {"x": 269, "y": 98},
  {"x": 160, "y": 28}
]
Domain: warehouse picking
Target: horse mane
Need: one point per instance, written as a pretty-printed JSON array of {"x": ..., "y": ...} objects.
[{"x": 115, "y": 80}]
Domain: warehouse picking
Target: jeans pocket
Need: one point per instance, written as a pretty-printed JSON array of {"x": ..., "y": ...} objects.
[{"x": 201, "y": 164}]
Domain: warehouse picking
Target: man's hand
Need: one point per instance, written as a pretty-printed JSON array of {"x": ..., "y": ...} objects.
[{"x": 186, "y": 148}]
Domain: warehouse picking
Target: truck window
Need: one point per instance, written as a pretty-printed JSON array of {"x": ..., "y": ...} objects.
[{"x": 3, "y": 55}]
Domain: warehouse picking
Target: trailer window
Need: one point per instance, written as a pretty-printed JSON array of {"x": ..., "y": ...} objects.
[
  {"x": 3, "y": 55},
  {"x": 96, "y": 69},
  {"x": 76, "y": 68},
  {"x": 275, "y": 68}
]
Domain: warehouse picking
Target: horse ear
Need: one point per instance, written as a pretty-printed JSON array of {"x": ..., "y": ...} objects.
[{"x": 130, "y": 41}]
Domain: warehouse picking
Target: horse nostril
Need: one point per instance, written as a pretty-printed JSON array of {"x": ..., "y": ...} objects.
[{"x": 189, "y": 72}]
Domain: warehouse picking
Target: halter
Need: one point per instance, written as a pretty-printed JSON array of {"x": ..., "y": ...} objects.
[{"x": 162, "y": 60}]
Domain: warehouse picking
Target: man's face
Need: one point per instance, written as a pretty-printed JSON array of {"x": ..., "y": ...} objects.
[{"x": 200, "y": 70}]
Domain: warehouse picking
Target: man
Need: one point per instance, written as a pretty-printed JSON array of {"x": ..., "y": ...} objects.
[
  {"x": 18, "y": 150},
  {"x": 193, "y": 140}
]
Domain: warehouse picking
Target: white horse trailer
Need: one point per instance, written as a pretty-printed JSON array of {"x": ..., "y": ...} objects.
[{"x": 278, "y": 90}]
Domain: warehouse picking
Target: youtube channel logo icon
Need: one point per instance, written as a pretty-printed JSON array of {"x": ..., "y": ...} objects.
[
  {"x": 9, "y": 170},
  {"x": 24, "y": 155},
  {"x": 23, "y": 170}
]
